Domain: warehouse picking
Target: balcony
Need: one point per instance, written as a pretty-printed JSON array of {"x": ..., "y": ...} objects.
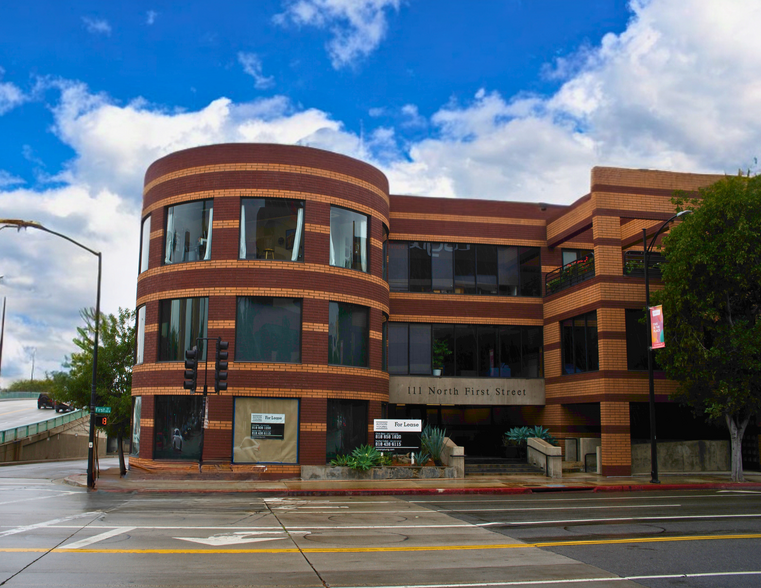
[
  {"x": 634, "y": 264},
  {"x": 569, "y": 275}
]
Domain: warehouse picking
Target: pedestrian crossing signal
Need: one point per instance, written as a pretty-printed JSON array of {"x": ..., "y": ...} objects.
[{"x": 101, "y": 421}]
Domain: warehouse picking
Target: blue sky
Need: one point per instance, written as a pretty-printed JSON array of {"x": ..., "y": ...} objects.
[{"x": 493, "y": 99}]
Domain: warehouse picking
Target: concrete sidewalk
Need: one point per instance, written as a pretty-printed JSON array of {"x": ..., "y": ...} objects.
[{"x": 140, "y": 482}]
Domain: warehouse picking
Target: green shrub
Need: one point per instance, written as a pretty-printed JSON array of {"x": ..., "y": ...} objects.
[
  {"x": 521, "y": 435},
  {"x": 420, "y": 457}
]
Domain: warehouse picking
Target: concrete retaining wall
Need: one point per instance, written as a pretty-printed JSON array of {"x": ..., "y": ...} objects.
[
  {"x": 69, "y": 441},
  {"x": 683, "y": 456},
  {"x": 390, "y": 473}
]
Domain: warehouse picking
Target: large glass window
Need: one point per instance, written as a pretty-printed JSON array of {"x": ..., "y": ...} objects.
[
  {"x": 346, "y": 426},
  {"x": 486, "y": 269},
  {"x": 178, "y": 426},
  {"x": 463, "y": 268},
  {"x": 348, "y": 239},
  {"x": 420, "y": 349},
  {"x": 420, "y": 266},
  {"x": 571, "y": 255},
  {"x": 398, "y": 346},
  {"x": 140, "y": 335},
  {"x": 188, "y": 232},
  {"x": 271, "y": 228},
  {"x": 636, "y": 341},
  {"x": 266, "y": 430},
  {"x": 442, "y": 267},
  {"x": 398, "y": 266},
  {"x": 579, "y": 338},
  {"x": 137, "y": 406},
  {"x": 145, "y": 243},
  {"x": 183, "y": 321},
  {"x": 468, "y": 350},
  {"x": 531, "y": 271},
  {"x": 268, "y": 329},
  {"x": 348, "y": 334}
]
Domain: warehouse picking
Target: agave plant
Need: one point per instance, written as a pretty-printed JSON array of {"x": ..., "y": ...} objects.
[
  {"x": 420, "y": 457},
  {"x": 521, "y": 435},
  {"x": 432, "y": 442},
  {"x": 364, "y": 457}
]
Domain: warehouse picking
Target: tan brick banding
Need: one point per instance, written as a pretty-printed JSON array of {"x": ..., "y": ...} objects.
[
  {"x": 314, "y": 427},
  {"x": 315, "y": 327},
  {"x": 151, "y": 328},
  {"x": 145, "y": 422},
  {"x": 465, "y": 239},
  {"x": 261, "y": 264},
  {"x": 269, "y": 292},
  {"x": 579, "y": 215},
  {"x": 649, "y": 178},
  {"x": 220, "y": 425},
  {"x": 225, "y": 224},
  {"x": 158, "y": 233},
  {"x": 219, "y": 325},
  {"x": 469, "y": 298},
  {"x": 266, "y": 167},
  {"x": 322, "y": 229},
  {"x": 251, "y": 366},
  {"x": 257, "y": 193},
  {"x": 536, "y": 222},
  {"x": 463, "y": 320}
]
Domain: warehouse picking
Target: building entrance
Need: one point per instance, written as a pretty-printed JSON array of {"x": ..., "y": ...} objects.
[{"x": 479, "y": 429}]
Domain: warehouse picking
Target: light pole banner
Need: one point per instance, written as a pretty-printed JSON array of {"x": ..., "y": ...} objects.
[{"x": 656, "y": 327}]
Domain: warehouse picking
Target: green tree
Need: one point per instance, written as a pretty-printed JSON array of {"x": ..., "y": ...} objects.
[
  {"x": 711, "y": 303},
  {"x": 116, "y": 347},
  {"x": 31, "y": 385}
]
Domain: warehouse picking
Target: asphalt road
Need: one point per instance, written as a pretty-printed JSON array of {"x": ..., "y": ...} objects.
[
  {"x": 17, "y": 413},
  {"x": 56, "y": 535}
]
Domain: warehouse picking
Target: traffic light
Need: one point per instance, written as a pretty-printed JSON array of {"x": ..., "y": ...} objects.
[
  {"x": 220, "y": 366},
  {"x": 191, "y": 370}
]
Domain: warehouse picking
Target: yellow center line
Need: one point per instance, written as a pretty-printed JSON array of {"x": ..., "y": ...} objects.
[{"x": 387, "y": 549}]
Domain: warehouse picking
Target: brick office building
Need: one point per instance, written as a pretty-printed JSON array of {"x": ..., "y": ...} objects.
[{"x": 333, "y": 295}]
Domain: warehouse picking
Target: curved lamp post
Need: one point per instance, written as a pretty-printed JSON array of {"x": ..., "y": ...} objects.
[
  {"x": 653, "y": 440},
  {"x": 7, "y": 223}
]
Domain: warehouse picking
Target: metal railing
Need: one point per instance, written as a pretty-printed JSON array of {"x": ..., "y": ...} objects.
[
  {"x": 634, "y": 264},
  {"x": 28, "y": 430},
  {"x": 5, "y": 395},
  {"x": 570, "y": 274}
]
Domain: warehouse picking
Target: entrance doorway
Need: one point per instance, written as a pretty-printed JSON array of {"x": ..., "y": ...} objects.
[{"x": 479, "y": 429}]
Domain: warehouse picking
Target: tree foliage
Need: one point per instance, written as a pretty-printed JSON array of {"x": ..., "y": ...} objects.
[
  {"x": 712, "y": 302},
  {"x": 31, "y": 385},
  {"x": 116, "y": 345}
]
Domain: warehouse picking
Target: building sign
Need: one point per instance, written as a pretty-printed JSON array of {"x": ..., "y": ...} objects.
[
  {"x": 267, "y": 426},
  {"x": 656, "y": 327},
  {"x": 397, "y": 435},
  {"x": 466, "y": 391}
]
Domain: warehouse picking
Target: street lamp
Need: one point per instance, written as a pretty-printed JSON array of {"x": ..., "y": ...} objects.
[
  {"x": 653, "y": 440},
  {"x": 22, "y": 224}
]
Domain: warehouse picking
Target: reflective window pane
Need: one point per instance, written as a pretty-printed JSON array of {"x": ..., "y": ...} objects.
[
  {"x": 445, "y": 334},
  {"x": 397, "y": 349},
  {"x": 465, "y": 269},
  {"x": 420, "y": 266},
  {"x": 465, "y": 350},
  {"x": 268, "y": 329},
  {"x": 531, "y": 271},
  {"x": 488, "y": 354},
  {"x": 486, "y": 269},
  {"x": 346, "y": 426},
  {"x": 348, "y": 334},
  {"x": 188, "y": 232},
  {"x": 348, "y": 239},
  {"x": 145, "y": 243},
  {"x": 532, "y": 352},
  {"x": 510, "y": 352},
  {"x": 271, "y": 228},
  {"x": 140, "y": 335},
  {"x": 442, "y": 267},
  {"x": 420, "y": 349},
  {"x": 178, "y": 423},
  {"x": 183, "y": 321},
  {"x": 509, "y": 271},
  {"x": 398, "y": 266}
]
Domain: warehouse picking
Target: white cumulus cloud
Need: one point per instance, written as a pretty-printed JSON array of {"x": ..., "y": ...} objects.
[
  {"x": 357, "y": 26},
  {"x": 97, "y": 26},
  {"x": 252, "y": 65}
]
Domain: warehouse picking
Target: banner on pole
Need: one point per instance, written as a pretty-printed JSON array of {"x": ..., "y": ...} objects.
[{"x": 656, "y": 327}]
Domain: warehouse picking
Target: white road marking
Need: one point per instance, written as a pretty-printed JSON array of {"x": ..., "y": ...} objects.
[
  {"x": 49, "y": 523},
  {"x": 97, "y": 538},
  {"x": 521, "y": 509},
  {"x": 239, "y": 537},
  {"x": 739, "y": 492},
  {"x": 37, "y": 498},
  {"x": 570, "y": 580}
]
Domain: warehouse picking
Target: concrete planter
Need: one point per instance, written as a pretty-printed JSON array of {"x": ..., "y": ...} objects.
[{"x": 383, "y": 473}]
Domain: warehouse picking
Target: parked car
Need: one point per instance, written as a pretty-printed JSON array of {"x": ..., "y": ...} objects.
[
  {"x": 62, "y": 407},
  {"x": 44, "y": 401}
]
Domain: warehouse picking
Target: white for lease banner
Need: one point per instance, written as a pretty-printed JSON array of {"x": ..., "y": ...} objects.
[{"x": 398, "y": 425}]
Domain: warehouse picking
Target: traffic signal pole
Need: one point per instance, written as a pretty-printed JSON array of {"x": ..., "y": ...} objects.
[{"x": 192, "y": 357}]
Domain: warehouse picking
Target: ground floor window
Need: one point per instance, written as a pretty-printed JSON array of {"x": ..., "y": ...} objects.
[
  {"x": 266, "y": 430},
  {"x": 178, "y": 423},
  {"x": 346, "y": 427},
  {"x": 137, "y": 404}
]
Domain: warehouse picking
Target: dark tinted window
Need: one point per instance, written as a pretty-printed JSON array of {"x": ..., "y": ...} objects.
[
  {"x": 348, "y": 334},
  {"x": 268, "y": 329}
]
